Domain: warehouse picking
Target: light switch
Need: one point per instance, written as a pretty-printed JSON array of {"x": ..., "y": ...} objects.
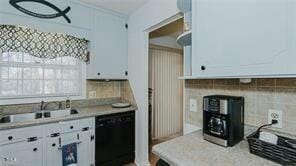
[{"x": 193, "y": 105}]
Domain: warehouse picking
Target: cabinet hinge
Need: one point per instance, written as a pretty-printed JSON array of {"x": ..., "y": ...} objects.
[
  {"x": 32, "y": 139},
  {"x": 92, "y": 138}
]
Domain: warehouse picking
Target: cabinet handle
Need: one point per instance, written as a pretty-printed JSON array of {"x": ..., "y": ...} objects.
[
  {"x": 10, "y": 138},
  {"x": 71, "y": 127},
  {"x": 32, "y": 139},
  {"x": 203, "y": 68},
  {"x": 35, "y": 149},
  {"x": 53, "y": 145},
  {"x": 85, "y": 129},
  {"x": 99, "y": 74},
  {"x": 54, "y": 135}
]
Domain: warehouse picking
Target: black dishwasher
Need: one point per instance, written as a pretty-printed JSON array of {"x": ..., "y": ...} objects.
[{"x": 115, "y": 139}]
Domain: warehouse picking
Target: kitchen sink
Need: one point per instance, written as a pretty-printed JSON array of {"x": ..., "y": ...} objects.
[
  {"x": 38, "y": 115},
  {"x": 20, "y": 117},
  {"x": 60, "y": 113}
]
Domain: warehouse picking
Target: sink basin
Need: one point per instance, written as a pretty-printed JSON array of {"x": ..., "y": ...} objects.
[
  {"x": 60, "y": 113},
  {"x": 38, "y": 115},
  {"x": 20, "y": 117}
]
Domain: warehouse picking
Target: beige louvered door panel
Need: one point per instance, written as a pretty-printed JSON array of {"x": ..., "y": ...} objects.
[{"x": 167, "y": 91}]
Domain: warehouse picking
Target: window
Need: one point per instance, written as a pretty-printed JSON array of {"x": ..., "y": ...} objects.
[{"x": 22, "y": 75}]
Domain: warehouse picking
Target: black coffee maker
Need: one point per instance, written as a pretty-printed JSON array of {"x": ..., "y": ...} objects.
[{"x": 223, "y": 119}]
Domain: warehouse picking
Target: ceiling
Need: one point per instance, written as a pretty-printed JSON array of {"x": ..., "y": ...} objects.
[
  {"x": 121, "y": 6},
  {"x": 173, "y": 29}
]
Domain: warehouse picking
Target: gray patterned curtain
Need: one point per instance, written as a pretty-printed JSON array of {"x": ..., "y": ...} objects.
[{"x": 41, "y": 44}]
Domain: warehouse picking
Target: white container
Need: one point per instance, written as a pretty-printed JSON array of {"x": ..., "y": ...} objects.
[{"x": 268, "y": 137}]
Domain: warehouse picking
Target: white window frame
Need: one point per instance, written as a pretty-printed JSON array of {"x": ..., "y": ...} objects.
[{"x": 55, "y": 97}]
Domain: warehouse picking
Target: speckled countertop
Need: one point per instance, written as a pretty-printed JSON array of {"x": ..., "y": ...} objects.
[
  {"x": 192, "y": 150},
  {"x": 84, "y": 112}
]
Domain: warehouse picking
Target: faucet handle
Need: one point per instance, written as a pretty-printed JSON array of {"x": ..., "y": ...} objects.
[
  {"x": 42, "y": 105},
  {"x": 60, "y": 105}
]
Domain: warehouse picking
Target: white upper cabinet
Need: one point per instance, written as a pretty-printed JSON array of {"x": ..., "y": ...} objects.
[
  {"x": 237, "y": 38},
  {"x": 108, "y": 57}
]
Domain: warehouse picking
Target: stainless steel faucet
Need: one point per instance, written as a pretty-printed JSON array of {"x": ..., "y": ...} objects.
[{"x": 43, "y": 105}]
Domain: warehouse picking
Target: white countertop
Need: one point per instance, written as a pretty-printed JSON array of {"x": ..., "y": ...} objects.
[{"x": 192, "y": 150}]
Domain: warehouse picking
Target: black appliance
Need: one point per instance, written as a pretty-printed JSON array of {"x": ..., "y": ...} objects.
[
  {"x": 115, "y": 139},
  {"x": 223, "y": 119},
  {"x": 161, "y": 162}
]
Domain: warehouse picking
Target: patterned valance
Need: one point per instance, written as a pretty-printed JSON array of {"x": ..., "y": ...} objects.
[{"x": 41, "y": 44}]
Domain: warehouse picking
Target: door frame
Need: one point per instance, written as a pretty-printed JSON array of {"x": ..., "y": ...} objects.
[{"x": 147, "y": 45}]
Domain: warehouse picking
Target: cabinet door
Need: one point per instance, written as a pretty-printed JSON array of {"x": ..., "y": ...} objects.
[
  {"x": 243, "y": 37},
  {"x": 24, "y": 153},
  {"x": 53, "y": 147},
  {"x": 86, "y": 149},
  {"x": 108, "y": 59}
]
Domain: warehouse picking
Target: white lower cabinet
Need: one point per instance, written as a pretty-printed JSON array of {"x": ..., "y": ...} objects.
[
  {"x": 54, "y": 147},
  {"x": 47, "y": 150},
  {"x": 86, "y": 151},
  {"x": 53, "y": 154},
  {"x": 22, "y": 154},
  {"x": 85, "y": 148}
]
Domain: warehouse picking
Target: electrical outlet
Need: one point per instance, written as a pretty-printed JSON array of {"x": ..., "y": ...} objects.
[
  {"x": 193, "y": 105},
  {"x": 276, "y": 115},
  {"x": 92, "y": 94}
]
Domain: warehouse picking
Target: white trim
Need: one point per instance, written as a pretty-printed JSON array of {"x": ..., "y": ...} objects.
[
  {"x": 164, "y": 23},
  {"x": 143, "y": 119},
  {"x": 238, "y": 76},
  {"x": 101, "y": 9},
  {"x": 184, "y": 102},
  {"x": 140, "y": 21},
  {"x": 139, "y": 163},
  {"x": 83, "y": 81}
]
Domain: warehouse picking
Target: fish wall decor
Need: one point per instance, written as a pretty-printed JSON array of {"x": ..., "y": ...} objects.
[{"x": 59, "y": 12}]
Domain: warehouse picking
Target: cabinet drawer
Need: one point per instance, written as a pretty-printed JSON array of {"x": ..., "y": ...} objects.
[
  {"x": 22, "y": 154},
  {"x": 69, "y": 126},
  {"x": 21, "y": 134}
]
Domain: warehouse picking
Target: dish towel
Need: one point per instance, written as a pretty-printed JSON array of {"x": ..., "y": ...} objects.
[{"x": 69, "y": 154}]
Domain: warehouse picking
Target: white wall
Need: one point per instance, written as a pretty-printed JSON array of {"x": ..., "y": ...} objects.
[
  {"x": 81, "y": 15},
  {"x": 166, "y": 41},
  {"x": 151, "y": 13}
]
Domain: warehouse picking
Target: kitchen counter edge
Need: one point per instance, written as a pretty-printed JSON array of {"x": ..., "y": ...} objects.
[{"x": 84, "y": 112}]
